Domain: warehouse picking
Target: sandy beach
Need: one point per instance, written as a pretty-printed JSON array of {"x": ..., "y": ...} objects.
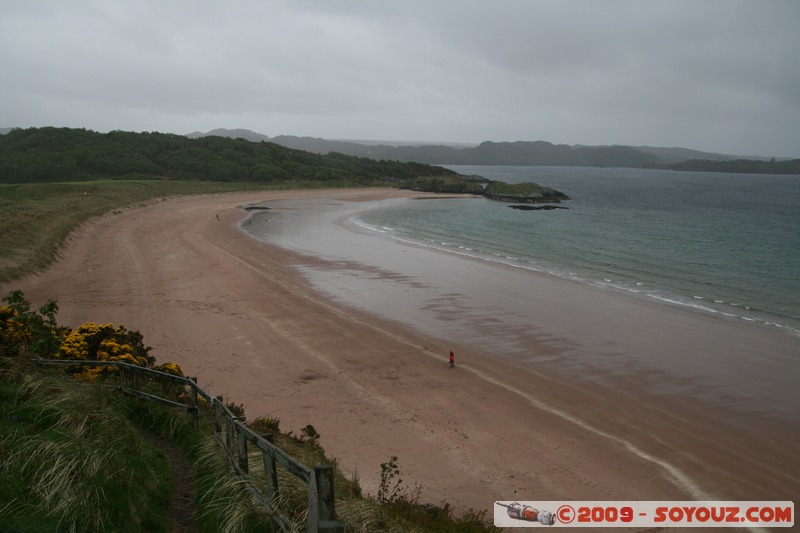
[{"x": 617, "y": 399}]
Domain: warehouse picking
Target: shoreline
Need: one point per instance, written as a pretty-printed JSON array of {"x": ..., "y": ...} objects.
[
  {"x": 237, "y": 314},
  {"x": 531, "y": 316}
]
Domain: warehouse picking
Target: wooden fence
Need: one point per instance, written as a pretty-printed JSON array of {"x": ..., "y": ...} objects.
[{"x": 234, "y": 442}]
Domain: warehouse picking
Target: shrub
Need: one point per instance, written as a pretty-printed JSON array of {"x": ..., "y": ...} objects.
[
  {"x": 27, "y": 332},
  {"x": 23, "y": 330},
  {"x": 104, "y": 342},
  {"x": 264, "y": 425},
  {"x": 390, "y": 488},
  {"x": 170, "y": 368}
]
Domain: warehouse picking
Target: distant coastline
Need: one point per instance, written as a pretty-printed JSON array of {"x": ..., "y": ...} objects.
[
  {"x": 530, "y": 153},
  {"x": 520, "y": 153}
]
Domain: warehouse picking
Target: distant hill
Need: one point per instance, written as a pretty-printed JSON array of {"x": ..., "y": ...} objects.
[
  {"x": 322, "y": 146},
  {"x": 533, "y": 153},
  {"x": 233, "y": 134},
  {"x": 675, "y": 155},
  {"x": 486, "y": 153},
  {"x": 743, "y": 166}
]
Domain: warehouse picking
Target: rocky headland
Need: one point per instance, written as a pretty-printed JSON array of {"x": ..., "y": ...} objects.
[
  {"x": 523, "y": 193},
  {"x": 518, "y": 193}
]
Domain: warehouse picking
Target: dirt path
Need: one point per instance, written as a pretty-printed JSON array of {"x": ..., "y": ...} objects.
[{"x": 181, "y": 510}]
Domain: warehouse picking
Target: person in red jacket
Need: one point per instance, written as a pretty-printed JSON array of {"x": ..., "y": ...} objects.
[{"x": 452, "y": 359}]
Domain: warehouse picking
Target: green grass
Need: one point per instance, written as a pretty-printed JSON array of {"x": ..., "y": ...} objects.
[
  {"x": 35, "y": 219},
  {"x": 223, "y": 505},
  {"x": 70, "y": 461}
]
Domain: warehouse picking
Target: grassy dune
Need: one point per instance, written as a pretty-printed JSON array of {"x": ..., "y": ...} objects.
[
  {"x": 35, "y": 219},
  {"x": 71, "y": 461}
]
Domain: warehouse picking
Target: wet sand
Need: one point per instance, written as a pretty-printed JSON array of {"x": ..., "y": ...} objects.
[{"x": 561, "y": 391}]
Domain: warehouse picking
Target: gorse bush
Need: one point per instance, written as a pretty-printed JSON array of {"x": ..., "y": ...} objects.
[
  {"x": 104, "y": 342},
  {"x": 170, "y": 368},
  {"x": 24, "y": 330},
  {"x": 27, "y": 332}
]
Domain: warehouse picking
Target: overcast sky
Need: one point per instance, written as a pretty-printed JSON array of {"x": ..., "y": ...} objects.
[{"x": 714, "y": 75}]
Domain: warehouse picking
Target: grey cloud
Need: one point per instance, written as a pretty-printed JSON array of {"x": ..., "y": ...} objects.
[{"x": 716, "y": 75}]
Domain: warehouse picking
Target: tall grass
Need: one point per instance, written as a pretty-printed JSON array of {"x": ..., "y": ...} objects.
[
  {"x": 69, "y": 461},
  {"x": 72, "y": 459},
  {"x": 225, "y": 503}
]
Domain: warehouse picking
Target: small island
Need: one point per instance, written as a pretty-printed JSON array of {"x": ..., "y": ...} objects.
[
  {"x": 523, "y": 193},
  {"x": 518, "y": 193}
]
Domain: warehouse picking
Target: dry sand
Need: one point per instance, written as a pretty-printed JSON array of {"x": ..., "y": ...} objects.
[{"x": 235, "y": 313}]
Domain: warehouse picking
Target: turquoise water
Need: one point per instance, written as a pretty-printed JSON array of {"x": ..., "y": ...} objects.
[{"x": 726, "y": 244}]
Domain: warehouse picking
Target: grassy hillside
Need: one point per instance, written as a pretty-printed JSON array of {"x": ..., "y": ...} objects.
[
  {"x": 77, "y": 455},
  {"x": 71, "y": 460},
  {"x": 74, "y": 458}
]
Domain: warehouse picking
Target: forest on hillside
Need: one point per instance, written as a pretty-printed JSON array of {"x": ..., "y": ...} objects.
[{"x": 41, "y": 155}]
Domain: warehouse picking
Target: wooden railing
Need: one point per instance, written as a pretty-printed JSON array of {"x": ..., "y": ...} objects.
[{"x": 237, "y": 436}]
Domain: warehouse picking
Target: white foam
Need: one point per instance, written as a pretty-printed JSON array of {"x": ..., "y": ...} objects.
[{"x": 361, "y": 224}]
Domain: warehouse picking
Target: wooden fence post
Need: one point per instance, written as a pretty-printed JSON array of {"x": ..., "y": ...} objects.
[
  {"x": 194, "y": 408},
  {"x": 229, "y": 435},
  {"x": 244, "y": 462},
  {"x": 322, "y": 511},
  {"x": 218, "y": 415},
  {"x": 270, "y": 471}
]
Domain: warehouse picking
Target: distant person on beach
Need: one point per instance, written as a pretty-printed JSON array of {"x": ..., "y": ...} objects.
[{"x": 452, "y": 359}]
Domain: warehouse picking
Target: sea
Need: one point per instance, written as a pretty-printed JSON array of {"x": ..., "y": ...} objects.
[{"x": 718, "y": 243}]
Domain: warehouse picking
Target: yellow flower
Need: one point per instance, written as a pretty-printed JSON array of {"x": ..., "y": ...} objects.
[{"x": 170, "y": 368}]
